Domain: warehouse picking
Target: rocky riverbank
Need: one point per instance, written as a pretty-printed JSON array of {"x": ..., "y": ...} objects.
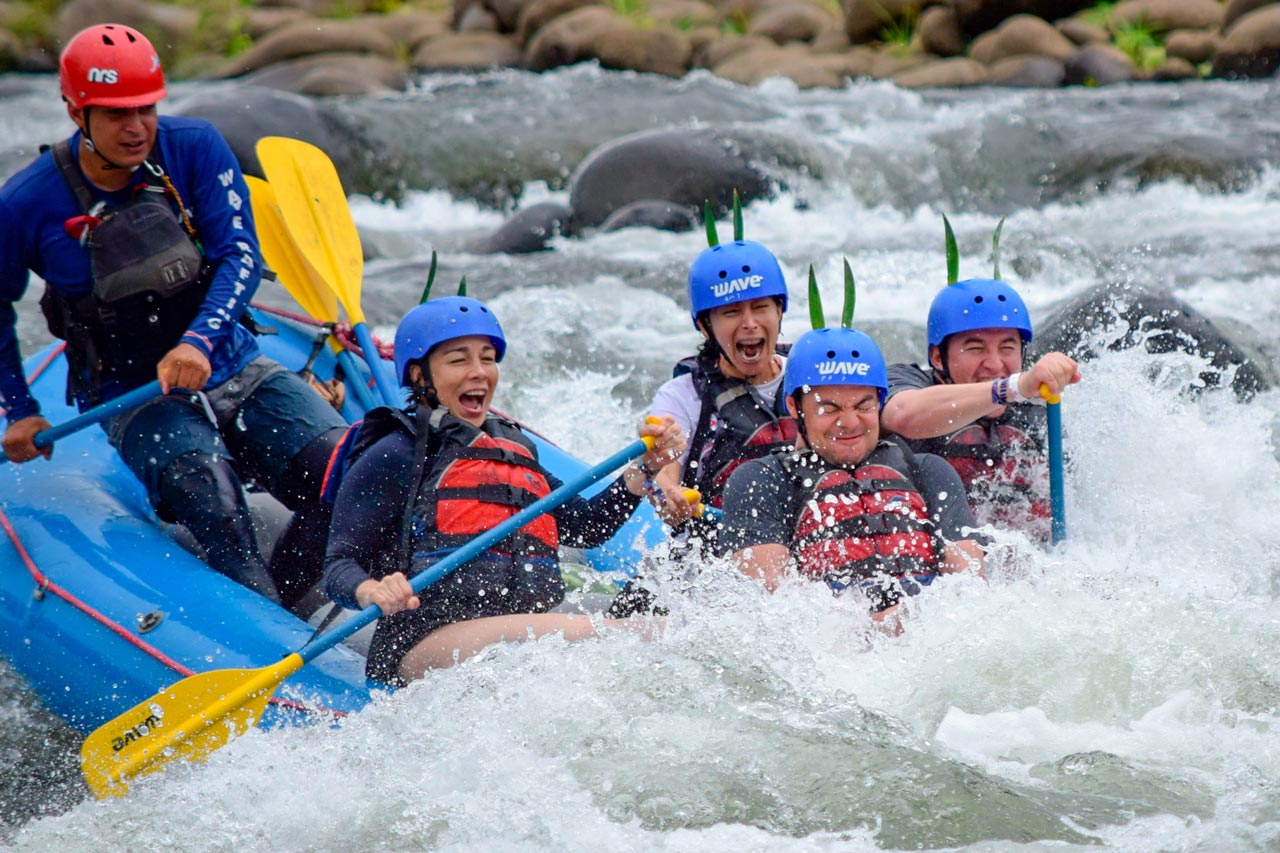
[{"x": 326, "y": 47}]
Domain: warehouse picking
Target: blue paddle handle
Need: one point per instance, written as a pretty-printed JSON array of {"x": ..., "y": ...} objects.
[
  {"x": 1057, "y": 489},
  {"x": 390, "y": 393},
  {"x": 478, "y": 545},
  {"x": 355, "y": 381},
  {"x": 97, "y": 414}
]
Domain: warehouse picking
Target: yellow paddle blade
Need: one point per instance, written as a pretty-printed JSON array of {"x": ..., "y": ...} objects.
[
  {"x": 315, "y": 212},
  {"x": 282, "y": 255},
  {"x": 186, "y": 722}
]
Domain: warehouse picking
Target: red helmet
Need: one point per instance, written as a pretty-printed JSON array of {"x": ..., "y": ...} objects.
[{"x": 110, "y": 65}]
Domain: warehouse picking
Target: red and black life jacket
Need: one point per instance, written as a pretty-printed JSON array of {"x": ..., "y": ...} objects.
[
  {"x": 469, "y": 480},
  {"x": 477, "y": 479},
  {"x": 1004, "y": 467},
  {"x": 864, "y": 523},
  {"x": 734, "y": 426}
]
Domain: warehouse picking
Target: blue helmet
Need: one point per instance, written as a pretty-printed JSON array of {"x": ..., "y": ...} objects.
[
  {"x": 835, "y": 356},
  {"x": 734, "y": 272},
  {"x": 441, "y": 320},
  {"x": 977, "y": 303}
]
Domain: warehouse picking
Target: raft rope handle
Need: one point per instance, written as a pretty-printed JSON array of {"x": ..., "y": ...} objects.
[{"x": 45, "y": 585}]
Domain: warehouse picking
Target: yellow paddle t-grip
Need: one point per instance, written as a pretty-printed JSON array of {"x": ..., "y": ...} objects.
[
  {"x": 694, "y": 497},
  {"x": 1048, "y": 396},
  {"x": 650, "y": 441}
]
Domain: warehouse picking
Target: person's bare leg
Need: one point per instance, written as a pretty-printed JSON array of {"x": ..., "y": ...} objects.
[{"x": 455, "y": 643}]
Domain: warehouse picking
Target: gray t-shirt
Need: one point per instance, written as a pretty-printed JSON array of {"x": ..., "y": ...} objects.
[{"x": 762, "y": 503}]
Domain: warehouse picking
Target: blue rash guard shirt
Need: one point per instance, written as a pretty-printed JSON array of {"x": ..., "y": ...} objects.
[{"x": 36, "y": 202}]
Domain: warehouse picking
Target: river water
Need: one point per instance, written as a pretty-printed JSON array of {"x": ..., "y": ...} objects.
[{"x": 1121, "y": 691}]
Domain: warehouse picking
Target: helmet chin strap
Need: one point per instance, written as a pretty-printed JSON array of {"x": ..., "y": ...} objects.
[
  {"x": 423, "y": 388},
  {"x": 88, "y": 143},
  {"x": 801, "y": 427}
]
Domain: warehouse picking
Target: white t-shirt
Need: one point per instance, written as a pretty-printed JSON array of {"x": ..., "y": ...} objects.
[{"x": 678, "y": 398}]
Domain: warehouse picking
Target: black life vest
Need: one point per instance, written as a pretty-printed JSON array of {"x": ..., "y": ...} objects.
[
  {"x": 469, "y": 480},
  {"x": 149, "y": 280},
  {"x": 868, "y": 523},
  {"x": 734, "y": 426}
]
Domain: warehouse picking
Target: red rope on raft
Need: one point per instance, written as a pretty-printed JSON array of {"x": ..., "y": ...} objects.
[
  {"x": 341, "y": 331},
  {"x": 45, "y": 585}
]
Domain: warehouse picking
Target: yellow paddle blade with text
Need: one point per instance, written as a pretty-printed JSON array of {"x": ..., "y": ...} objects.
[{"x": 184, "y": 722}]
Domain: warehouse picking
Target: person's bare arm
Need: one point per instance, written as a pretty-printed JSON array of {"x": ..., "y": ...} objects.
[{"x": 768, "y": 563}]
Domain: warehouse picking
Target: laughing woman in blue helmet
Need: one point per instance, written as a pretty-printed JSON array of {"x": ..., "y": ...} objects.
[
  {"x": 977, "y": 407},
  {"x": 847, "y": 506},
  {"x": 726, "y": 396},
  {"x": 420, "y": 482}
]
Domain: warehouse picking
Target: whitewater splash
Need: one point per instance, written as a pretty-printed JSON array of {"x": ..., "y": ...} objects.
[{"x": 1122, "y": 690}]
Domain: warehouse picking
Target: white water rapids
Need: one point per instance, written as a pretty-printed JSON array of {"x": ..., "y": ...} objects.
[{"x": 1122, "y": 690}]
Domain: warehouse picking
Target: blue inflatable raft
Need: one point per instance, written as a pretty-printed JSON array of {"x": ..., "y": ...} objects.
[{"x": 101, "y": 606}]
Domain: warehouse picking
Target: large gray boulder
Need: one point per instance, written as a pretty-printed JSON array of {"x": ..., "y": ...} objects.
[
  {"x": 245, "y": 114},
  {"x": 528, "y": 231},
  {"x": 1125, "y": 316},
  {"x": 686, "y": 167}
]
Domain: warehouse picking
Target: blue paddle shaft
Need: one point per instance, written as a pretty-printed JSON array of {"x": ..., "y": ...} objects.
[
  {"x": 477, "y": 546},
  {"x": 355, "y": 381},
  {"x": 97, "y": 414},
  {"x": 390, "y": 393},
  {"x": 1057, "y": 490}
]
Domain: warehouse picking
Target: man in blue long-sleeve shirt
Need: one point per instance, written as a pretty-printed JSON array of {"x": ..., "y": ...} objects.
[{"x": 140, "y": 227}]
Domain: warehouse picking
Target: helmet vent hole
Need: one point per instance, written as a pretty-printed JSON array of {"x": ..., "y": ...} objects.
[
  {"x": 746, "y": 268},
  {"x": 463, "y": 308},
  {"x": 831, "y": 353},
  {"x": 724, "y": 273},
  {"x": 1002, "y": 298},
  {"x": 854, "y": 353},
  {"x": 977, "y": 300},
  {"x": 107, "y": 40}
]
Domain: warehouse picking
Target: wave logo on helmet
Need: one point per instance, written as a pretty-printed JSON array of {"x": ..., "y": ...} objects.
[
  {"x": 104, "y": 75},
  {"x": 834, "y": 355},
  {"x": 724, "y": 288},
  {"x": 845, "y": 368}
]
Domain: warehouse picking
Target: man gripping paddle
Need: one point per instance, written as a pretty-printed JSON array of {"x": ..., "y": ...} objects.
[{"x": 140, "y": 227}]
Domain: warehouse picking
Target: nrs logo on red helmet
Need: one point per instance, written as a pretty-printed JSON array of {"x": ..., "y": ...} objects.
[{"x": 110, "y": 65}]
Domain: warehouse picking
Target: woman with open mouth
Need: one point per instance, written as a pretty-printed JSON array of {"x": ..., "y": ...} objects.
[
  {"x": 415, "y": 484},
  {"x": 726, "y": 396}
]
